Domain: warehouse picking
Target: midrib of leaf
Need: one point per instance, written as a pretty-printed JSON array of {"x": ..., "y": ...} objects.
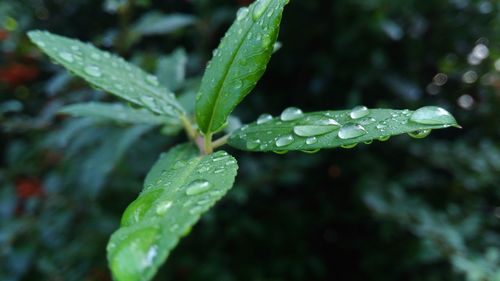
[{"x": 226, "y": 72}]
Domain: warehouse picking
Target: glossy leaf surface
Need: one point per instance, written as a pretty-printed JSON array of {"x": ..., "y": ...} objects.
[
  {"x": 108, "y": 72},
  {"x": 178, "y": 190},
  {"x": 238, "y": 62},
  {"x": 117, "y": 112},
  {"x": 294, "y": 130}
]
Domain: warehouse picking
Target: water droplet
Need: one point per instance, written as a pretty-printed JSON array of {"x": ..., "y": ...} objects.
[
  {"x": 384, "y": 138},
  {"x": 252, "y": 144},
  {"x": 163, "y": 207},
  {"x": 310, "y": 151},
  {"x": 368, "y": 141},
  {"x": 280, "y": 151},
  {"x": 420, "y": 134},
  {"x": 66, "y": 56},
  {"x": 139, "y": 207},
  {"x": 312, "y": 130},
  {"x": 291, "y": 113},
  {"x": 350, "y": 131},
  {"x": 197, "y": 187},
  {"x": 264, "y": 118},
  {"x": 433, "y": 115},
  {"x": 326, "y": 122},
  {"x": 179, "y": 164},
  {"x": 196, "y": 210},
  {"x": 284, "y": 140},
  {"x": 359, "y": 111},
  {"x": 367, "y": 121},
  {"x": 238, "y": 84},
  {"x": 152, "y": 80},
  {"x": 75, "y": 48},
  {"x": 92, "y": 71},
  {"x": 132, "y": 255},
  {"x": 266, "y": 41},
  {"x": 260, "y": 8},
  {"x": 150, "y": 103},
  {"x": 349, "y": 145},
  {"x": 311, "y": 140},
  {"x": 95, "y": 56},
  {"x": 242, "y": 13}
]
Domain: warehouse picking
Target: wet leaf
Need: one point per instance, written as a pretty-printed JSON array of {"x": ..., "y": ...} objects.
[
  {"x": 294, "y": 130},
  {"x": 108, "y": 72},
  {"x": 178, "y": 190},
  {"x": 238, "y": 62}
]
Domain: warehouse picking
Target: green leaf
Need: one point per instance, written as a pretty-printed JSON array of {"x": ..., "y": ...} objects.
[
  {"x": 171, "y": 70},
  {"x": 108, "y": 72},
  {"x": 309, "y": 132},
  {"x": 117, "y": 112},
  {"x": 179, "y": 188},
  {"x": 156, "y": 23},
  {"x": 238, "y": 63}
]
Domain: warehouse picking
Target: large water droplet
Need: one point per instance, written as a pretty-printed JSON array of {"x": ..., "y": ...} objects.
[
  {"x": 264, "y": 118},
  {"x": 350, "y": 131},
  {"x": 92, "y": 70},
  {"x": 242, "y": 13},
  {"x": 291, "y": 113},
  {"x": 359, "y": 111},
  {"x": 198, "y": 187},
  {"x": 433, "y": 115},
  {"x": 284, "y": 140},
  {"x": 130, "y": 257},
  {"x": 312, "y": 130},
  {"x": 420, "y": 134},
  {"x": 260, "y": 8},
  {"x": 66, "y": 56},
  {"x": 163, "y": 207}
]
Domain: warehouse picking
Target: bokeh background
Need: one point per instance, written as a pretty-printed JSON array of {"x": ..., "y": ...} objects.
[{"x": 422, "y": 210}]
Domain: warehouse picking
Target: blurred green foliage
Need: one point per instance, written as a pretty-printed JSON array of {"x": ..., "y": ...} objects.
[{"x": 405, "y": 210}]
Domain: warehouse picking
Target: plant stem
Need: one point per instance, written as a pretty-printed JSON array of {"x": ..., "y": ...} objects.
[
  {"x": 208, "y": 143},
  {"x": 220, "y": 142},
  {"x": 188, "y": 127}
]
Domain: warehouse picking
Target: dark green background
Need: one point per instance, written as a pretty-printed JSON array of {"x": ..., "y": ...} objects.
[{"x": 401, "y": 210}]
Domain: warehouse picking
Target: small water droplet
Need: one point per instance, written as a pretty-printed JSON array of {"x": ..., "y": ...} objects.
[
  {"x": 196, "y": 210},
  {"x": 359, "y": 111},
  {"x": 179, "y": 164},
  {"x": 312, "y": 130},
  {"x": 92, "y": 70},
  {"x": 349, "y": 145},
  {"x": 291, "y": 113},
  {"x": 326, "y": 122},
  {"x": 95, "y": 56},
  {"x": 238, "y": 84},
  {"x": 311, "y": 140},
  {"x": 66, "y": 56},
  {"x": 367, "y": 121},
  {"x": 310, "y": 151},
  {"x": 433, "y": 115},
  {"x": 242, "y": 13},
  {"x": 350, "y": 131},
  {"x": 163, "y": 207},
  {"x": 264, "y": 118},
  {"x": 219, "y": 171},
  {"x": 252, "y": 144},
  {"x": 152, "y": 80},
  {"x": 284, "y": 140},
  {"x": 260, "y": 8},
  {"x": 420, "y": 134},
  {"x": 75, "y": 48},
  {"x": 280, "y": 151},
  {"x": 198, "y": 187},
  {"x": 384, "y": 138}
]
